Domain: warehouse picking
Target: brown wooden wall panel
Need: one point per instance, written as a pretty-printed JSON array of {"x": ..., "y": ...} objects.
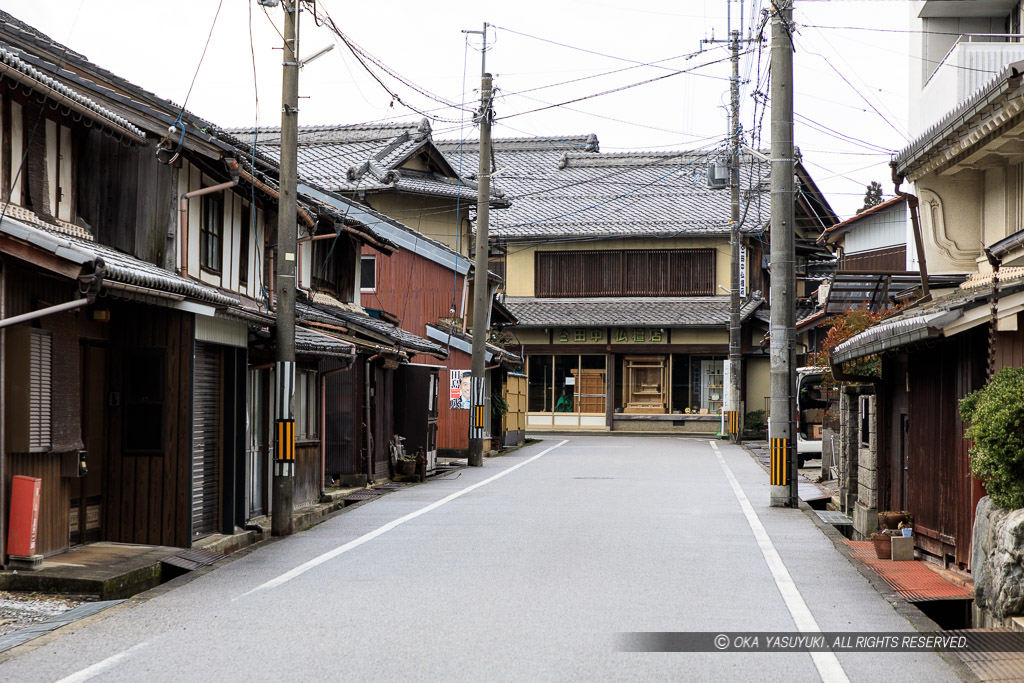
[
  {"x": 1010, "y": 348},
  {"x": 147, "y": 497},
  {"x": 628, "y": 272},
  {"x": 53, "y": 498},
  {"x": 889, "y": 258},
  {"x": 307, "y": 473},
  {"x": 941, "y": 494}
]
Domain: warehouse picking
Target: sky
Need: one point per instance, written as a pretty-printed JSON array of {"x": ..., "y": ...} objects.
[{"x": 850, "y": 69}]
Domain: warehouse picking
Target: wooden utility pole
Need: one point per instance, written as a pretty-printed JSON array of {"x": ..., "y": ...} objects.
[
  {"x": 781, "y": 423},
  {"x": 481, "y": 301},
  {"x": 284, "y": 433}
]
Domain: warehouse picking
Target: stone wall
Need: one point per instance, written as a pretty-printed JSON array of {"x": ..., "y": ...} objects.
[
  {"x": 997, "y": 565},
  {"x": 858, "y": 490}
]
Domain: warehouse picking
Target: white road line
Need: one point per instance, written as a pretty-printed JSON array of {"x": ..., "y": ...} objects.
[
  {"x": 99, "y": 667},
  {"x": 331, "y": 554},
  {"x": 827, "y": 663}
]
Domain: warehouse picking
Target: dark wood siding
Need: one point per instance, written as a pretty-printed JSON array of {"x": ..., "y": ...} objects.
[
  {"x": 629, "y": 272},
  {"x": 940, "y": 492},
  {"x": 125, "y": 195},
  {"x": 887, "y": 259},
  {"x": 343, "y": 437},
  {"x": 147, "y": 497}
]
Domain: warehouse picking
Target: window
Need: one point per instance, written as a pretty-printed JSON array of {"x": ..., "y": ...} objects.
[
  {"x": 625, "y": 272},
  {"x": 211, "y": 232},
  {"x": 306, "y": 406},
  {"x": 143, "y": 401},
  {"x": 368, "y": 274},
  {"x": 567, "y": 384},
  {"x": 243, "y": 245},
  {"x": 28, "y": 406}
]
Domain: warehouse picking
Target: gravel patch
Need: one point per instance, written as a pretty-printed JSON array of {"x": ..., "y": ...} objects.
[{"x": 18, "y": 610}]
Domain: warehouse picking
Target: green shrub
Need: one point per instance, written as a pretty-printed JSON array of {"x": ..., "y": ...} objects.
[
  {"x": 754, "y": 421},
  {"x": 995, "y": 415}
]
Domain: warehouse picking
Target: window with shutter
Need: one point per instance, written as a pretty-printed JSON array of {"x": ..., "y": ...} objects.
[{"x": 39, "y": 392}]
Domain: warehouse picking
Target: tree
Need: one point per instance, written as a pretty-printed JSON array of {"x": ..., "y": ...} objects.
[{"x": 873, "y": 196}]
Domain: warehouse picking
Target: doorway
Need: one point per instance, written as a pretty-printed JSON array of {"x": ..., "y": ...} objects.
[{"x": 85, "y": 519}]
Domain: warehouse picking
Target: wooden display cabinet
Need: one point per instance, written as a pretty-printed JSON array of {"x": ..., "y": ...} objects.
[{"x": 644, "y": 389}]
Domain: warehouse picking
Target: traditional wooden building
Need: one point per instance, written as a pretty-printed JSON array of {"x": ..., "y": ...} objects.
[
  {"x": 617, "y": 269},
  {"x": 159, "y": 246},
  {"x": 393, "y": 178}
]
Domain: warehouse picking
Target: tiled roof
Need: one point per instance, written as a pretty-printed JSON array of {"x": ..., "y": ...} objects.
[
  {"x": 1004, "y": 85},
  {"x": 706, "y": 311},
  {"x": 12, "y": 65},
  {"x": 565, "y": 187},
  {"x": 118, "y": 268},
  {"x": 349, "y": 316},
  {"x": 365, "y": 158},
  {"x": 311, "y": 343}
]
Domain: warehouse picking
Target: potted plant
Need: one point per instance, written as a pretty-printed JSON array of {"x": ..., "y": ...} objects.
[
  {"x": 883, "y": 543},
  {"x": 405, "y": 465}
]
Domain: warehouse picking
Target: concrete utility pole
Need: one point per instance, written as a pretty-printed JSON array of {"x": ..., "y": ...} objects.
[
  {"x": 735, "y": 359},
  {"x": 284, "y": 434},
  {"x": 781, "y": 424},
  {"x": 481, "y": 301}
]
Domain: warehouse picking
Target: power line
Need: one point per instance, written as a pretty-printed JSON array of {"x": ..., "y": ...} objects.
[{"x": 614, "y": 90}]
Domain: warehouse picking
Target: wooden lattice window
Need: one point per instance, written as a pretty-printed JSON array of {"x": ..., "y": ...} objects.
[{"x": 625, "y": 272}]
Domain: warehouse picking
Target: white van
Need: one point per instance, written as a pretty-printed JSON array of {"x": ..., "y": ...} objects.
[{"x": 811, "y": 404}]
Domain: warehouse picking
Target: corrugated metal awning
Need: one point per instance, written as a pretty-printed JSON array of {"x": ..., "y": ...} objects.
[{"x": 893, "y": 334}]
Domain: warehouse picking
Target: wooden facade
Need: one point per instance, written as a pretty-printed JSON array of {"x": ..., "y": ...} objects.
[
  {"x": 924, "y": 462},
  {"x": 415, "y": 289},
  {"x": 886, "y": 259},
  {"x": 625, "y": 272}
]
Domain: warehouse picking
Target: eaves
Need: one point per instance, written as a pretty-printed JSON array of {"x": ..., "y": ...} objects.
[{"x": 985, "y": 115}]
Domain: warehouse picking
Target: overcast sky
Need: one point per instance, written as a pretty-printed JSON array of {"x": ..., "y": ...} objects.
[{"x": 851, "y": 81}]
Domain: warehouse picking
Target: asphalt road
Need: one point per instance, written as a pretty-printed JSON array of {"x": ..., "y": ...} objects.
[{"x": 527, "y": 576}]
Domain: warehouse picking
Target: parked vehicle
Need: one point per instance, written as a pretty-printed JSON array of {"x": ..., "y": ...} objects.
[{"x": 811, "y": 403}]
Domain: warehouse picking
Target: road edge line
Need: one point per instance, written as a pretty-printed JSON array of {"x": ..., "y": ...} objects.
[
  {"x": 369, "y": 536},
  {"x": 827, "y": 664}
]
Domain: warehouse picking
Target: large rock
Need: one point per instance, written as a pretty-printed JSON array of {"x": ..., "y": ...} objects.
[{"x": 997, "y": 562}]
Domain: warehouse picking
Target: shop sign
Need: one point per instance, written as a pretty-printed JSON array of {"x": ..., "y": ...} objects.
[
  {"x": 639, "y": 335},
  {"x": 580, "y": 335}
]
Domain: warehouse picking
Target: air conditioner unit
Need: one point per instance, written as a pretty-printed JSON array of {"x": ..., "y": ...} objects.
[{"x": 718, "y": 174}]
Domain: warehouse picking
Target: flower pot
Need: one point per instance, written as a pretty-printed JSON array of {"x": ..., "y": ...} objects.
[
  {"x": 883, "y": 546},
  {"x": 405, "y": 467},
  {"x": 907, "y": 532}
]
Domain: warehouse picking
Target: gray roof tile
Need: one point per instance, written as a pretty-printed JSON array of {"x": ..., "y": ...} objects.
[
  {"x": 707, "y": 311},
  {"x": 566, "y": 187}
]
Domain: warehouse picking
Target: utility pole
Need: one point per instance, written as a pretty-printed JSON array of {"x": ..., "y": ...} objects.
[
  {"x": 781, "y": 424},
  {"x": 284, "y": 433},
  {"x": 481, "y": 301},
  {"x": 735, "y": 359},
  {"x": 735, "y": 412}
]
